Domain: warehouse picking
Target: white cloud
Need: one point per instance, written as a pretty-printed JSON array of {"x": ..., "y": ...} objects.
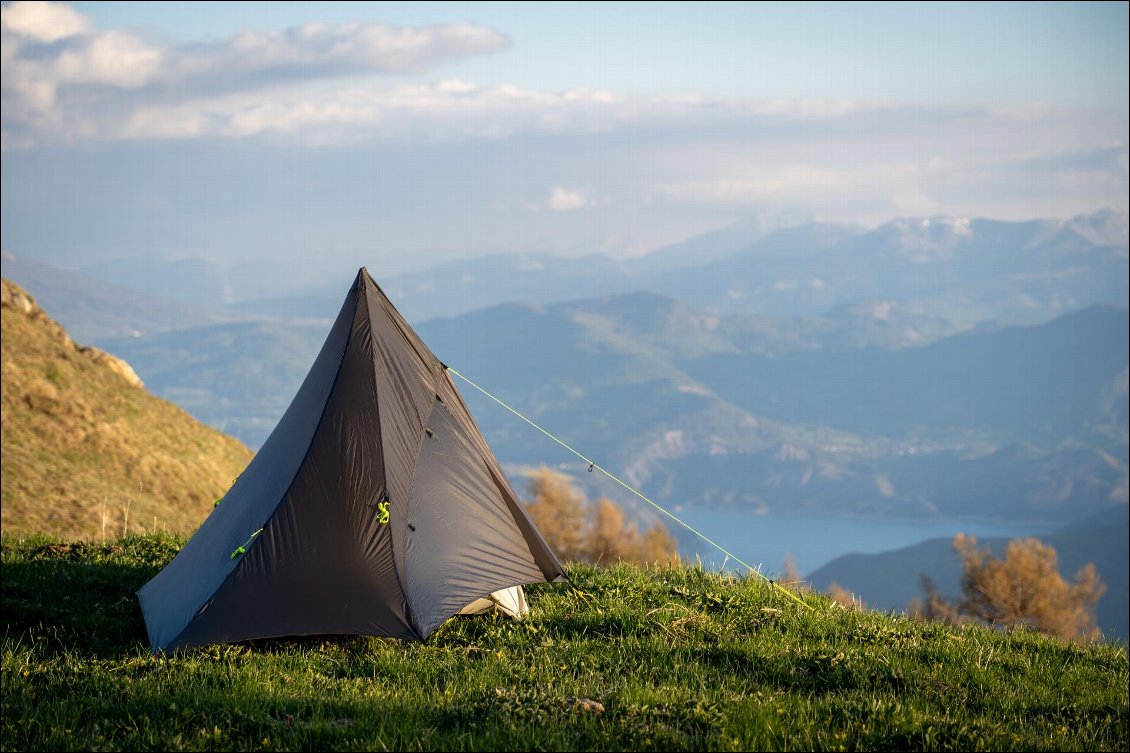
[
  {"x": 317, "y": 48},
  {"x": 64, "y": 80},
  {"x": 112, "y": 58},
  {"x": 562, "y": 199},
  {"x": 42, "y": 21}
]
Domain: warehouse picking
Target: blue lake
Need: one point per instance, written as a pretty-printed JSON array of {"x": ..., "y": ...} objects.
[{"x": 766, "y": 540}]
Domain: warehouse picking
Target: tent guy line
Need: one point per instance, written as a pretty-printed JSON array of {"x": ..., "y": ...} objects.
[{"x": 593, "y": 464}]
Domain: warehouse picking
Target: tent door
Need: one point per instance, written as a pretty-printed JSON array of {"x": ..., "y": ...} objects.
[{"x": 510, "y": 601}]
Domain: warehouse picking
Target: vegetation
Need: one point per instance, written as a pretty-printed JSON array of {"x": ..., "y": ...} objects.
[
  {"x": 87, "y": 452},
  {"x": 1022, "y": 588},
  {"x": 638, "y": 658},
  {"x": 597, "y": 532}
]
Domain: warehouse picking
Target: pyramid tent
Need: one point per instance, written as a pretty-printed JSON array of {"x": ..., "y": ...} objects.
[{"x": 375, "y": 507}]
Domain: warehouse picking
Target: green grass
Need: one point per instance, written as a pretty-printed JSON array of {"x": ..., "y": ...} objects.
[{"x": 680, "y": 659}]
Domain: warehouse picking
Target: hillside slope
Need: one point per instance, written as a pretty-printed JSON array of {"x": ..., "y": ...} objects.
[
  {"x": 630, "y": 659},
  {"x": 84, "y": 443}
]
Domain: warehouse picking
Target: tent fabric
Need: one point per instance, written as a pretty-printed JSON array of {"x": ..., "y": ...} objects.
[
  {"x": 509, "y": 601},
  {"x": 379, "y": 507}
]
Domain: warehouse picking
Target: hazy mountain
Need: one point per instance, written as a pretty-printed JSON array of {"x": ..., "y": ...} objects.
[
  {"x": 899, "y": 403},
  {"x": 1014, "y": 422},
  {"x": 718, "y": 244},
  {"x": 953, "y": 273},
  {"x": 214, "y": 282},
  {"x": 461, "y": 286},
  {"x": 93, "y": 310},
  {"x": 891, "y": 579},
  {"x": 1017, "y": 384},
  {"x": 238, "y": 377},
  {"x": 959, "y": 269},
  {"x": 83, "y": 441},
  {"x": 763, "y": 413}
]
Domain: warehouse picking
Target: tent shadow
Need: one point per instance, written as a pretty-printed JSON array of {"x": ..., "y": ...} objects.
[{"x": 75, "y": 605}]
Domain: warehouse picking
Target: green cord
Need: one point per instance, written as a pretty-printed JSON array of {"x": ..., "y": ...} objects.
[
  {"x": 593, "y": 464},
  {"x": 242, "y": 548}
]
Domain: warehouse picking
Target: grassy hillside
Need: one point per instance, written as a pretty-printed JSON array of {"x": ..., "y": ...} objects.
[
  {"x": 84, "y": 443},
  {"x": 676, "y": 659}
]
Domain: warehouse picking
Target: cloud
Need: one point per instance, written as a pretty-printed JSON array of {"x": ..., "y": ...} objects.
[
  {"x": 64, "y": 80},
  {"x": 709, "y": 158},
  {"x": 562, "y": 199},
  {"x": 113, "y": 58},
  {"x": 318, "y": 49},
  {"x": 42, "y": 21}
]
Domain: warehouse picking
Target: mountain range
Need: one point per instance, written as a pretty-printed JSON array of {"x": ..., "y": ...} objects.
[
  {"x": 927, "y": 367},
  {"x": 958, "y": 270},
  {"x": 953, "y": 272},
  {"x": 770, "y": 414}
]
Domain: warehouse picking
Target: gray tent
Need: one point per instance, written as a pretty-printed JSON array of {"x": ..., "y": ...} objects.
[{"x": 374, "y": 508}]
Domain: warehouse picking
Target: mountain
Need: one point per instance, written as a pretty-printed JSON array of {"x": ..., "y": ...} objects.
[
  {"x": 718, "y": 244},
  {"x": 954, "y": 268},
  {"x": 86, "y": 449},
  {"x": 939, "y": 274},
  {"x": 889, "y": 580},
  {"x": 93, "y": 309},
  {"x": 1015, "y": 422},
  {"x": 238, "y": 377},
  {"x": 769, "y": 414},
  {"x": 947, "y": 273},
  {"x": 869, "y": 373},
  {"x": 210, "y": 281},
  {"x": 1016, "y": 384}
]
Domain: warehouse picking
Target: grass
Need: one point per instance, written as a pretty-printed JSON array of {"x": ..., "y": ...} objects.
[{"x": 679, "y": 659}]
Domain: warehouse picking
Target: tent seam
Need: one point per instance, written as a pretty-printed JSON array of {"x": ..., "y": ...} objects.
[{"x": 409, "y": 612}]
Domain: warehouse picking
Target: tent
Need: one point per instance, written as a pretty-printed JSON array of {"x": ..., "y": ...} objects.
[{"x": 375, "y": 507}]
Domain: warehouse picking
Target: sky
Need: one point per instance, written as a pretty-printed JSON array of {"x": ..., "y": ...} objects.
[{"x": 330, "y": 135}]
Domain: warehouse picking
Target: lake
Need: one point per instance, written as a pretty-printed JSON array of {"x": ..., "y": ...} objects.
[{"x": 811, "y": 541}]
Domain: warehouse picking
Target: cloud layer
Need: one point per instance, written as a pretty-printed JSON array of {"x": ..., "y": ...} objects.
[{"x": 64, "y": 80}]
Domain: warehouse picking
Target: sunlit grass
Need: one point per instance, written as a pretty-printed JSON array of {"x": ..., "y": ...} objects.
[{"x": 678, "y": 659}]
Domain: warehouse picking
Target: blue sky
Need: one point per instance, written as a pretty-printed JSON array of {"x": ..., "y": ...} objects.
[
  {"x": 406, "y": 135},
  {"x": 1061, "y": 53}
]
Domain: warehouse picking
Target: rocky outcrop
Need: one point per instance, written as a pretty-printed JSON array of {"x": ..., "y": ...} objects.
[{"x": 12, "y": 296}]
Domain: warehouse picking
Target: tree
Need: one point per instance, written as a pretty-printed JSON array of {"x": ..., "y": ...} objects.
[
  {"x": 611, "y": 537},
  {"x": 790, "y": 577},
  {"x": 579, "y": 530},
  {"x": 560, "y": 512},
  {"x": 1022, "y": 588},
  {"x": 658, "y": 546},
  {"x": 843, "y": 597}
]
